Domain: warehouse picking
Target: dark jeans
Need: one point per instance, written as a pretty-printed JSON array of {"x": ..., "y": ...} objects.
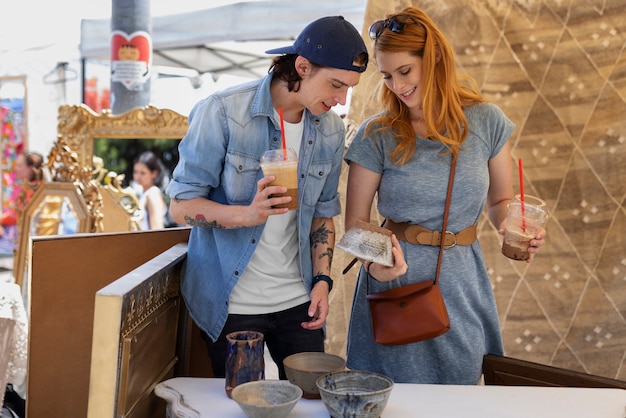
[{"x": 283, "y": 336}]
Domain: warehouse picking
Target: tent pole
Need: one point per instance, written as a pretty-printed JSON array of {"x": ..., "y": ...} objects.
[{"x": 83, "y": 68}]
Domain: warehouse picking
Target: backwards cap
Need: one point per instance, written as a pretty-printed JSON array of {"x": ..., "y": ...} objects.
[{"x": 330, "y": 42}]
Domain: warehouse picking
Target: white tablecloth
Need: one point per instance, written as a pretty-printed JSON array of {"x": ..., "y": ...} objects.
[
  {"x": 196, "y": 398},
  {"x": 12, "y": 307}
]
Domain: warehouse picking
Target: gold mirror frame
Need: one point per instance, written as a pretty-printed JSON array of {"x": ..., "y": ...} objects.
[
  {"x": 67, "y": 190},
  {"x": 79, "y": 126},
  {"x": 71, "y": 165}
]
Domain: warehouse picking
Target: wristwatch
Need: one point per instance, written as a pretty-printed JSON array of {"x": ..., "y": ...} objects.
[{"x": 323, "y": 278}]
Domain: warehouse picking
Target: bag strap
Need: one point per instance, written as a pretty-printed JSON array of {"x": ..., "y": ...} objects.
[
  {"x": 444, "y": 225},
  {"x": 446, "y": 210}
]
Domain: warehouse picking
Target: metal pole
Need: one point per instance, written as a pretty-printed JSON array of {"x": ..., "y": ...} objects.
[{"x": 131, "y": 54}]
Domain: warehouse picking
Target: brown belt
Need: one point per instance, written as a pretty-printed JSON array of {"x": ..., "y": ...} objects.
[{"x": 416, "y": 234}]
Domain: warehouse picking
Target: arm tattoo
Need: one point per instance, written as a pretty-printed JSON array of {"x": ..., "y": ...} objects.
[
  {"x": 200, "y": 220},
  {"x": 319, "y": 237},
  {"x": 329, "y": 253}
]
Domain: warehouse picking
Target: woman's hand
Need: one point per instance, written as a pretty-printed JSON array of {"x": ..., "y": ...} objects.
[
  {"x": 387, "y": 274},
  {"x": 535, "y": 243}
]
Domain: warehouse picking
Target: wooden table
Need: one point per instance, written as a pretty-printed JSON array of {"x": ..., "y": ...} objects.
[{"x": 197, "y": 397}]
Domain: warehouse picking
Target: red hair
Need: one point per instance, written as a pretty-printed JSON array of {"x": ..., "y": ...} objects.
[{"x": 444, "y": 95}]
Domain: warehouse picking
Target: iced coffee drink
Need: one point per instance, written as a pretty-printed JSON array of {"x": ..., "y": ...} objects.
[
  {"x": 522, "y": 222},
  {"x": 282, "y": 164},
  {"x": 516, "y": 242}
]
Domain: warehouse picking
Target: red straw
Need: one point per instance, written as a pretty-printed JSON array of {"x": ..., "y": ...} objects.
[
  {"x": 282, "y": 132},
  {"x": 521, "y": 191}
]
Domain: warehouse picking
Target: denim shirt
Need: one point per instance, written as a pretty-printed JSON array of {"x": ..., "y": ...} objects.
[{"x": 219, "y": 160}]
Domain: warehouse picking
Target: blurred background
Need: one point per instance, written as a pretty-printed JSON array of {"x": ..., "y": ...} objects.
[{"x": 556, "y": 67}]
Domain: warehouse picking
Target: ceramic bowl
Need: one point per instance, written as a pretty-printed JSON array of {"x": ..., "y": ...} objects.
[
  {"x": 303, "y": 369},
  {"x": 266, "y": 398},
  {"x": 353, "y": 393}
]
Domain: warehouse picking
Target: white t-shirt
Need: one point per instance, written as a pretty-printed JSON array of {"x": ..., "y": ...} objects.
[{"x": 272, "y": 281}]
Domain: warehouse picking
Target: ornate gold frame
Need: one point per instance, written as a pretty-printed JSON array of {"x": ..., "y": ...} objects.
[
  {"x": 78, "y": 126},
  {"x": 71, "y": 166},
  {"x": 45, "y": 190}
]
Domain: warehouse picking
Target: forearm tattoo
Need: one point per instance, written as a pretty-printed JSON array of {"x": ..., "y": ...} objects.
[
  {"x": 320, "y": 237},
  {"x": 200, "y": 220},
  {"x": 328, "y": 253}
]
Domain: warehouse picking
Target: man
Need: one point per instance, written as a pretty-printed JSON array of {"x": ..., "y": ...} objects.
[{"x": 251, "y": 266}]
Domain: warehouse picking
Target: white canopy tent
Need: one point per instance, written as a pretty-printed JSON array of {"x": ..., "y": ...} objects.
[
  {"x": 224, "y": 41},
  {"x": 229, "y": 39}
]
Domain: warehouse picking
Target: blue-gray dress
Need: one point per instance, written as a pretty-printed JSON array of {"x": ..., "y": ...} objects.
[{"x": 416, "y": 193}]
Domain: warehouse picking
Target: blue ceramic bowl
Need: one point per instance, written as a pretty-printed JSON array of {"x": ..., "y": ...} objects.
[{"x": 353, "y": 393}]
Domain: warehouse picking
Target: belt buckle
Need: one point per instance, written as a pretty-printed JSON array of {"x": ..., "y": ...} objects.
[{"x": 445, "y": 247}]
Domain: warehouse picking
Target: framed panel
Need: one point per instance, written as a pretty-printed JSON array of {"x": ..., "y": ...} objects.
[
  {"x": 508, "y": 371},
  {"x": 61, "y": 311}
]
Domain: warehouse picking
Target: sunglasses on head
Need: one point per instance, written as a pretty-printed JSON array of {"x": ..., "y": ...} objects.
[{"x": 395, "y": 24}]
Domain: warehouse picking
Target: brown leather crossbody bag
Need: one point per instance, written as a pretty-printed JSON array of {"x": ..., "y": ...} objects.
[{"x": 414, "y": 312}]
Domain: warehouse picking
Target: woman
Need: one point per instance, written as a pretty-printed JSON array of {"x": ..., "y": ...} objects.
[
  {"x": 148, "y": 172},
  {"x": 404, "y": 154},
  {"x": 28, "y": 175}
]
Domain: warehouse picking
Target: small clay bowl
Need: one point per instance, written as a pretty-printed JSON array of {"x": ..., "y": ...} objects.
[
  {"x": 303, "y": 369},
  {"x": 266, "y": 398}
]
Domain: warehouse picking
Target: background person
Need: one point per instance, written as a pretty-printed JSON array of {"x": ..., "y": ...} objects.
[
  {"x": 251, "y": 266},
  {"x": 403, "y": 154},
  {"x": 148, "y": 172}
]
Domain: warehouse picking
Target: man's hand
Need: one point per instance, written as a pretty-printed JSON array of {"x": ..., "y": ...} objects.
[{"x": 319, "y": 308}]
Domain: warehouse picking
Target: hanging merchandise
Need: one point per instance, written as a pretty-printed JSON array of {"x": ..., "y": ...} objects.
[
  {"x": 11, "y": 138},
  {"x": 11, "y": 134}
]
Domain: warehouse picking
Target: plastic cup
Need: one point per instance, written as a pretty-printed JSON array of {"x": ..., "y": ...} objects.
[
  {"x": 282, "y": 164},
  {"x": 522, "y": 225}
]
